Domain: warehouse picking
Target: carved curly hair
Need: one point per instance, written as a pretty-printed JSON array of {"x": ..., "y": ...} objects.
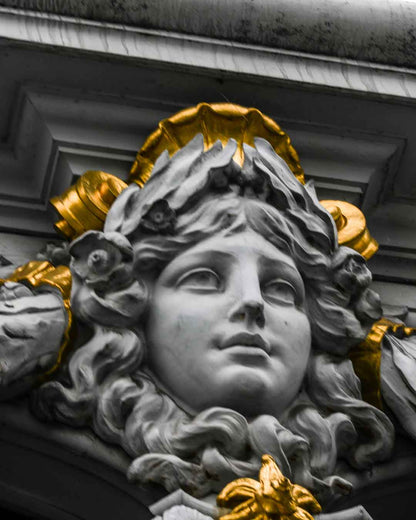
[{"x": 188, "y": 198}]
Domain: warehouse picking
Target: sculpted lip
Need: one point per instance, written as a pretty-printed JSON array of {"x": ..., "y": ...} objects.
[{"x": 246, "y": 339}]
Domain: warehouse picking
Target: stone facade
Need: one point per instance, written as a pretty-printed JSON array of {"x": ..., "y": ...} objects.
[{"x": 84, "y": 85}]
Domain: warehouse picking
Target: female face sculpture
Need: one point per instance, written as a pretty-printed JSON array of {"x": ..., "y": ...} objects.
[
  {"x": 226, "y": 322},
  {"x": 227, "y": 326}
]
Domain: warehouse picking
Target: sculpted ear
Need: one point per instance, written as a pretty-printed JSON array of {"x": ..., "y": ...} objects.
[{"x": 122, "y": 217}]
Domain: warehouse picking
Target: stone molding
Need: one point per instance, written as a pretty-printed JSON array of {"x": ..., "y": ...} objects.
[
  {"x": 375, "y": 30},
  {"x": 206, "y": 53},
  {"x": 66, "y": 138}
]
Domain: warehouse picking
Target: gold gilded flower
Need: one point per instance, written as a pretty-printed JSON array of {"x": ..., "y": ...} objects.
[{"x": 274, "y": 497}]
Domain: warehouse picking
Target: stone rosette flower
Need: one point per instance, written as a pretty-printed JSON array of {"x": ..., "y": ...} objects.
[
  {"x": 102, "y": 261},
  {"x": 104, "y": 288},
  {"x": 57, "y": 253},
  {"x": 160, "y": 218},
  {"x": 351, "y": 273}
]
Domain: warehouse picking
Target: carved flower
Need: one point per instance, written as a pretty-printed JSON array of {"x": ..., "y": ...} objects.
[
  {"x": 103, "y": 261},
  {"x": 160, "y": 218},
  {"x": 274, "y": 496},
  {"x": 56, "y": 253},
  {"x": 351, "y": 272}
]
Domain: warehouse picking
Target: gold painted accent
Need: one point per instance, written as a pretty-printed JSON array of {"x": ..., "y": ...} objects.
[
  {"x": 38, "y": 273},
  {"x": 352, "y": 227},
  {"x": 366, "y": 358},
  {"x": 84, "y": 206},
  {"x": 215, "y": 121},
  {"x": 273, "y": 498}
]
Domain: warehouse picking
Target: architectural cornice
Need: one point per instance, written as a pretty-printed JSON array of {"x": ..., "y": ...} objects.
[
  {"x": 382, "y": 31},
  {"x": 207, "y": 54}
]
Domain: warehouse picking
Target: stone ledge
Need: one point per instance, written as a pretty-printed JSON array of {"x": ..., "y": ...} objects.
[
  {"x": 206, "y": 55},
  {"x": 381, "y": 31}
]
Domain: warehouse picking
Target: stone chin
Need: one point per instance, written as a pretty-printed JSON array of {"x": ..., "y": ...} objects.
[
  {"x": 248, "y": 390},
  {"x": 243, "y": 389}
]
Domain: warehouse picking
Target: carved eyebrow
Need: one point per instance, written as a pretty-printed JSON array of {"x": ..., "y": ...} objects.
[
  {"x": 205, "y": 256},
  {"x": 272, "y": 262},
  {"x": 193, "y": 259},
  {"x": 215, "y": 257},
  {"x": 264, "y": 257},
  {"x": 217, "y": 252},
  {"x": 265, "y": 261}
]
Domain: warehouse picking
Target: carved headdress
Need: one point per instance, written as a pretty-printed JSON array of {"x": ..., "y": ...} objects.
[{"x": 85, "y": 205}]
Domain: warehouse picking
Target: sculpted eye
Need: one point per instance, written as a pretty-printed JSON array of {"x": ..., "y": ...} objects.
[
  {"x": 200, "y": 280},
  {"x": 280, "y": 291}
]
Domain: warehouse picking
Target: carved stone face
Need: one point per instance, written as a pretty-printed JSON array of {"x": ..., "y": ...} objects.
[{"x": 227, "y": 326}]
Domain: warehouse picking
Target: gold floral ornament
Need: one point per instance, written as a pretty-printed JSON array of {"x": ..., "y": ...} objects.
[
  {"x": 84, "y": 206},
  {"x": 352, "y": 227},
  {"x": 214, "y": 121},
  {"x": 273, "y": 498},
  {"x": 38, "y": 273},
  {"x": 366, "y": 358}
]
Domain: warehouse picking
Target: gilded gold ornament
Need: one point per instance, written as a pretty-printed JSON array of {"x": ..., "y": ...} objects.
[
  {"x": 274, "y": 497},
  {"x": 366, "y": 358},
  {"x": 38, "y": 273},
  {"x": 352, "y": 227},
  {"x": 84, "y": 206},
  {"x": 215, "y": 121}
]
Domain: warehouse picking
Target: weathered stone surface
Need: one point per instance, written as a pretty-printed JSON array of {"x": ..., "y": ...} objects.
[
  {"x": 31, "y": 331},
  {"x": 382, "y": 31}
]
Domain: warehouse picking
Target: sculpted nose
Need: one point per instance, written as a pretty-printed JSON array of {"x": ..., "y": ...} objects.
[
  {"x": 250, "y": 306},
  {"x": 254, "y": 312}
]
